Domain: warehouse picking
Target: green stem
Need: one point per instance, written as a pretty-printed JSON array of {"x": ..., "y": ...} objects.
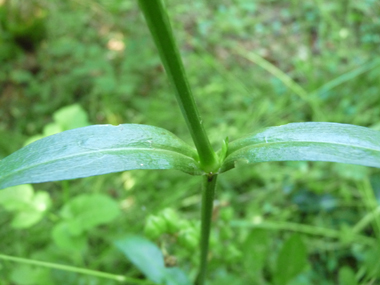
[
  {"x": 159, "y": 26},
  {"x": 370, "y": 202},
  {"x": 208, "y": 192},
  {"x": 119, "y": 278},
  {"x": 366, "y": 220}
]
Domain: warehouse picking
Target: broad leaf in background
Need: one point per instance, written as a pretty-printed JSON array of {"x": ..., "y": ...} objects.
[
  {"x": 291, "y": 260},
  {"x": 87, "y": 211},
  {"x": 80, "y": 215},
  {"x": 66, "y": 241},
  {"x": 372, "y": 262},
  {"x": 96, "y": 150},
  {"x": 71, "y": 117},
  {"x": 257, "y": 246},
  {"x": 28, "y": 275},
  {"x": 147, "y": 257},
  {"x": 29, "y": 207},
  {"x": 67, "y": 118},
  {"x": 307, "y": 141},
  {"x": 346, "y": 276}
]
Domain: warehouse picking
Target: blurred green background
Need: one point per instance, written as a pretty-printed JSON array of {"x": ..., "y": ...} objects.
[{"x": 251, "y": 64}]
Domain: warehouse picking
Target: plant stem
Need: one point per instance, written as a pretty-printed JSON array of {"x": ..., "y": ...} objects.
[
  {"x": 119, "y": 278},
  {"x": 208, "y": 192},
  {"x": 159, "y": 26}
]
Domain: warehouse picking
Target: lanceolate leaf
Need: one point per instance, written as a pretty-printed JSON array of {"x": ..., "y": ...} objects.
[
  {"x": 97, "y": 150},
  {"x": 307, "y": 141}
]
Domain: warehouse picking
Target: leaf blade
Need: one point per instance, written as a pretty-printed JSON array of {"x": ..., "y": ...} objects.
[
  {"x": 148, "y": 258},
  {"x": 307, "y": 141},
  {"x": 96, "y": 150},
  {"x": 291, "y": 260}
]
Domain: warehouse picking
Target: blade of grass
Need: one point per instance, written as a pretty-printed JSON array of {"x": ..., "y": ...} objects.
[
  {"x": 370, "y": 202},
  {"x": 119, "y": 278},
  {"x": 366, "y": 220},
  {"x": 345, "y": 77},
  {"x": 300, "y": 228},
  {"x": 282, "y": 76},
  {"x": 230, "y": 77}
]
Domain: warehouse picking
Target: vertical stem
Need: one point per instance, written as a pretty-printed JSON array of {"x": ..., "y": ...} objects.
[
  {"x": 159, "y": 26},
  {"x": 208, "y": 192}
]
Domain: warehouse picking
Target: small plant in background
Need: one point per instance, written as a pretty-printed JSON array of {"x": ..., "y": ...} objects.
[
  {"x": 101, "y": 149},
  {"x": 27, "y": 206}
]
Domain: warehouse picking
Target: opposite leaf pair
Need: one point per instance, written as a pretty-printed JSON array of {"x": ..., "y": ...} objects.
[{"x": 102, "y": 149}]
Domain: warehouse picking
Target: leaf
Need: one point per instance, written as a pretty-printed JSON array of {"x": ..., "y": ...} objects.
[
  {"x": 291, "y": 260},
  {"x": 16, "y": 198},
  {"x": 147, "y": 257},
  {"x": 96, "y": 150},
  {"x": 26, "y": 219},
  {"x": 28, "y": 275},
  {"x": 257, "y": 244},
  {"x": 347, "y": 276},
  {"x": 70, "y": 117},
  {"x": 307, "y": 141},
  {"x": 175, "y": 276},
  {"x": 372, "y": 262},
  {"x": 29, "y": 207},
  {"x": 88, "y": 211},
  {"x": 63, "y": 239}
]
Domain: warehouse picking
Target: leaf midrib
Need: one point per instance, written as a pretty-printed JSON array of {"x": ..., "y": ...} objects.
[{"x": 91, "y": 152}]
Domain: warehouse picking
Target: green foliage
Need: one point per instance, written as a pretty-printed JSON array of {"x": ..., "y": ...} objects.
[
  {"x": 80, "y": 215},
  {"x": 28, "y": 207},
  {"x": 166, "y": 222},
  {"x": 250, "y": 66},
  {"x": 66, "y": 118},
  {"x": 23, "y": 27},
  {"x": 149, "y": 259},
  {"x": 347, "y": 276},
  {"x": 25, "y": 275},
  {"x": 308, "y": 141},
  {"x": 291, "y": 260},
  {"x": 71, "y": 117},
  {"x": 257, "y": 244},
  {"x": 101, "y": 149}
]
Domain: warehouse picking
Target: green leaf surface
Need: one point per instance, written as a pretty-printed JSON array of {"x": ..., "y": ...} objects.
[
  {"x": 307, "y": 141},
  {"x": 16, "y": 198},
  {"x": 97, "y": 150},
  {"x": 291, "y": 260},
  {"x": 258, "y": 245},
  {"x": 70, "y": 117},
  {"x": 65, "y": 240},
  {"x": 88, "y": 211},
  {"x": 28, "y": 275},
  {"x": 28, "y": 207},
  {"x": 346, "y": 276},
  {"x": 147, "y": 257}
]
